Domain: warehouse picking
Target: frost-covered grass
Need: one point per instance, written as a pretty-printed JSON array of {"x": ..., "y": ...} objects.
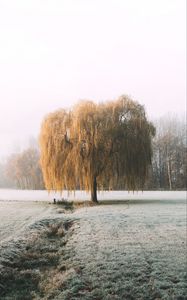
[
  {"x": 15, "y": 217},
  {"x": 128, "y": 251},
  {"x": 30, "y": 267},
  {"x": 117, "y": 250}
]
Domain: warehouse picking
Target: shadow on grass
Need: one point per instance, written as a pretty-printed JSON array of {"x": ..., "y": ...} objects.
[{"x": 79, "y": 204}]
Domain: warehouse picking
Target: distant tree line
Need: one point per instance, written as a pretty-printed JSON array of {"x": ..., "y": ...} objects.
[
  {"x": 22, "y": 171},
  {"x": 167, "y": 172},
  {"x": 169, "y": 162}
]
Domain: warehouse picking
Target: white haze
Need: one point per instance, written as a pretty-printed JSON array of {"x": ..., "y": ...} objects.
[
  {"x": 55, "y": 52},
  {"x": 43, "y": 195}
]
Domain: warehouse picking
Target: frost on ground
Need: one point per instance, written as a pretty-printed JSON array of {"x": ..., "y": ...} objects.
[
  {"x": 30, "y": 267},
  {"x": 130, "y": 250},
  {"x": 16, "y": 216}
]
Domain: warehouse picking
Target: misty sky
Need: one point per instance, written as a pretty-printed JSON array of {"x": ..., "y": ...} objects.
[{"x": 55, "y": 52}]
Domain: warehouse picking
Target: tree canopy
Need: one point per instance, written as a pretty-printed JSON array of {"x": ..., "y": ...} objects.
[{"x": 96, "y": 146}]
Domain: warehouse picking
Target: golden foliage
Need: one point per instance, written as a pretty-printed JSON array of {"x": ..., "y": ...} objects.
[{"x": 108, "y": 142}]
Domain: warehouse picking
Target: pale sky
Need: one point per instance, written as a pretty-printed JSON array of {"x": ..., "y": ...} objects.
[{"x": 55, "y": 52}]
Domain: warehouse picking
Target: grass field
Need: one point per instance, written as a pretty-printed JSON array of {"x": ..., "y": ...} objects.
[{"x": 116, "y": 250}]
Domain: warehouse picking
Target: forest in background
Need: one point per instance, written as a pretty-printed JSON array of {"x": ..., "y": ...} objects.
[{"x": 168, "y": 171}]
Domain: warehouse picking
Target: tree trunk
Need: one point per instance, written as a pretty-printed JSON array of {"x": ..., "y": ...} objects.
[
  {"x": 94, "y": 190},
  {"x": 169, "y": 175}
]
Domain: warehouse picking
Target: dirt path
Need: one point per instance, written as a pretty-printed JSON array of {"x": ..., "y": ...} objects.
[{"x": 130, "y": 251}]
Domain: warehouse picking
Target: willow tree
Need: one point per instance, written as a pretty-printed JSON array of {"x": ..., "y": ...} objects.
[{"x": 95, "y": 146}]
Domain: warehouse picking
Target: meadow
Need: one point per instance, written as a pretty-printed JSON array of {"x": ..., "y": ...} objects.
[{"x": 133, "y": 247}]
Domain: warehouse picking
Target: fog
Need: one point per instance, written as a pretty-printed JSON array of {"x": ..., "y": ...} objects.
[{"x": 53, "y": 53}]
